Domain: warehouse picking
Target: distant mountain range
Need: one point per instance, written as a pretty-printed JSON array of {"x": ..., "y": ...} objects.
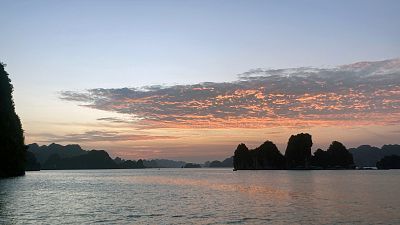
[
  {"x": 42, "y": 153},
  {"x": 363, "y": 156},
  {"x": 60, "y": 157},
  {"x": 368, "y": 156},
  {"x": 228, "y": 162},
  {"x": 55, "y": 156}
]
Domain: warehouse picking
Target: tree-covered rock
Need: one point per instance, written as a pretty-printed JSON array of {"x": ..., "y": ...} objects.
[
  {"x": 192, "y": 165},
  {"x": 298, "y": 151},
  {"x": 131, "y": 164},
  {"x": 368, "y": 156},
  {"x": 95, "y": 159},
  {"x": 43, "y": 152},
  {"x": 389, "y": 162},
  {"x": 266, "y": 156},
  {"x": 320, "y": 159},
  {"x": 297, "y": 156},
  {"x": 228, "y": 162},
  {"x": 242, "y": 158},
  {"x": 339, "y": 156},
  {"x": 215, "y": 164},
  {"x": 31, "y": 162},
  {"x": 336, "y": 157},
  {"x": 269, "y": 157},
  {"x": 12, "y": 147}
]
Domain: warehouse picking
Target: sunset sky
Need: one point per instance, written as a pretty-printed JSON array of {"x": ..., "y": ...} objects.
[{"x": 190, "y": 80}]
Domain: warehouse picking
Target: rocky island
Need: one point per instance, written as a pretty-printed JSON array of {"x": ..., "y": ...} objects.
[{"x": 297, "y": 156}]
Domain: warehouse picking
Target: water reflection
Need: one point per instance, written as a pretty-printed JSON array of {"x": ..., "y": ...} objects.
[
  {"x": 203, "y": 183},
  {"x": 201, "y": 196}
]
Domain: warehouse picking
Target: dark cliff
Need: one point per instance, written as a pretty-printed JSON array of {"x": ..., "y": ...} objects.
[{"x": 12, "y": 147}]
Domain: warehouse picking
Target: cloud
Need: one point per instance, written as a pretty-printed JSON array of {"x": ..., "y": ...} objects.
[
  {"x": 96, "y": 136},
  {"x": 360, "y": 93}
]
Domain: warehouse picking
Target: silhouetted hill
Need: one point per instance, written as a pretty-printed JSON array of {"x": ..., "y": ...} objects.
[
  {"x": 192, "y": 165},
  {"x": 336, "y": 157},
  {"x": 59, "y": 157},
  {"x": 228, "y": 162},
  {"x": 368, "y": 156},
  {"x": 95, "y": 159},
  {"x": 12, "y": 147},
  {"x": 129, "y": 164},
  {"x": 297, "y": 156},
  {"x": 42, "y": 153},
  {"x": 266, "y": 156},
  {"x": 389, "y": 162},
  {"x": 298, "y": 151},
  {"x": 31, "y": 163}
]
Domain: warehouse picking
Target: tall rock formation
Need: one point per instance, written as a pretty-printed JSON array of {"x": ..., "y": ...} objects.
[
  {"x": 298, "y": 151},
  {"x": 12, "y": 147}
]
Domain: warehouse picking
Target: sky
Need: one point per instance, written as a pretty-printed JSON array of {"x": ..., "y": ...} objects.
[{"x": 190, "y": 80}]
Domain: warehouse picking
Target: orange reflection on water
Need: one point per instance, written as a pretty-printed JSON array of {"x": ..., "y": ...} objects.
[{"x": 202, "y": 183}]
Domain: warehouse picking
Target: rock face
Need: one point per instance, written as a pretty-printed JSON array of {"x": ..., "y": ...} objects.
[
  {"x": 266, "y": 156},
  {"x": 12, "y": 147},
  {"x": 389, "y": 162},
  {"x": 298, "y": 151}
]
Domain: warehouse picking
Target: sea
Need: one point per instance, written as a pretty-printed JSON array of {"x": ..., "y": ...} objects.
[{"x": 201, "y": 196}]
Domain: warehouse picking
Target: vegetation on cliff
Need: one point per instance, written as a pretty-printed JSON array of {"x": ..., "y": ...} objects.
[
  {"x": 389, "y": 162},
  {"x": 12, "y": 147}
]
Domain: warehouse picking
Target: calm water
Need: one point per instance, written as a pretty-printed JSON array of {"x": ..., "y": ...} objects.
[{"x": 201, "y": 196}]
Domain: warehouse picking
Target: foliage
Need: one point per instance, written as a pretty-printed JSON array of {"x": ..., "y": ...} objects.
[
  {"x": 12, "y": 147},
  {"x": 389, "y": 162}
]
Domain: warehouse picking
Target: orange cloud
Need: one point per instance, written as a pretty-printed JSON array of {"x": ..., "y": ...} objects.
[{"x": 356, "y": 94}]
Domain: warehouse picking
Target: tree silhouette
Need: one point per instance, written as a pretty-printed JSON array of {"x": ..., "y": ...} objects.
[{"x": 12, "y": 147}]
